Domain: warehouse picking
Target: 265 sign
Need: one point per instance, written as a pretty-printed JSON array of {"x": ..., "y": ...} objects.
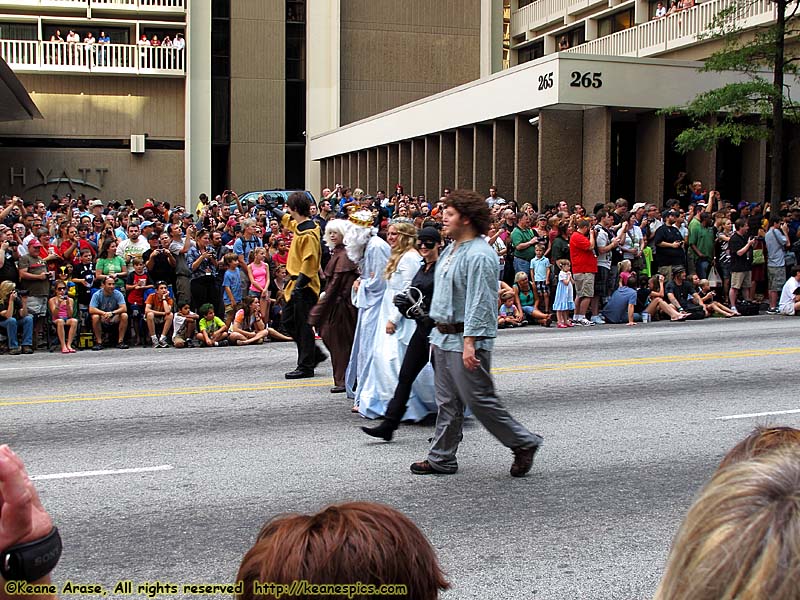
[
  {"x": 545, "y": 81},
  {"x": 586, "y": 80}
]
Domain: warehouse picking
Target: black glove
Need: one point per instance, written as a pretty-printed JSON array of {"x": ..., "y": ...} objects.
[
  {"x": 277, "y": 212},
  {"x": 402, "y": 302},
  {"x": 300, "y": 284}
]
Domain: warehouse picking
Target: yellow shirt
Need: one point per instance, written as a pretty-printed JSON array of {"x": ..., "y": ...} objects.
[{"x": 304, "y": 254}]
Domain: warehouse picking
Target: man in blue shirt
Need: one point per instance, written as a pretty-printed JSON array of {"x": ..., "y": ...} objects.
[
  {"x": 464, "y": 308},
  {"x": 620, "y": 307},
  {"x": 108, "y": 310}
]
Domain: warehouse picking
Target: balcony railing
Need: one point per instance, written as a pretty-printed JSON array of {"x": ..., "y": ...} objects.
[
  {"x": 125, "y": 59},
  {"x": 126, "y": 5},
  {"x": 674, "y": 31},
  {"x": 538, "y": 14}
]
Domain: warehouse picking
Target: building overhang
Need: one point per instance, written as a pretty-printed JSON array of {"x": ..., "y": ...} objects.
[
  {"x": 15, "y": 103},
  {"x": 559, "y": 81}
]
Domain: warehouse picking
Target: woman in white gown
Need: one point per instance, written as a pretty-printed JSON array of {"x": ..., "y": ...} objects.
[{"x": 393, "y": 334}]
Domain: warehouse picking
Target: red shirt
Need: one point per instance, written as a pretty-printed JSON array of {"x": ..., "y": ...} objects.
[
  {"x": 76, "y": 256},
  {"x": 581, "y": 254}
]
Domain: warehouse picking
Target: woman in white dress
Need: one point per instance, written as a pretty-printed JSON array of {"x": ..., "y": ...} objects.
[{"x": 393, "y": 335}]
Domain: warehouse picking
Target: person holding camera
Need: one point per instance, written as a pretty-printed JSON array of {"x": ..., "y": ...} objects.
[
  {"x": 740, "y": 248},
  {"x": 203, "y": 266},
  {"x": 413, "y": 305},
  {"x": 14, "y": 316},
  {"x": 9, "y": 254}
]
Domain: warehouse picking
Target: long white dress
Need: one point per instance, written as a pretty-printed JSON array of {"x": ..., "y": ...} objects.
[
  {"x": 368, "y": 302},
  {"x": 380, "y": 380}
]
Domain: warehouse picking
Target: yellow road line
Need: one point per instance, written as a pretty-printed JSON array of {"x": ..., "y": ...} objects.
[{"x": 316, "y": 383}]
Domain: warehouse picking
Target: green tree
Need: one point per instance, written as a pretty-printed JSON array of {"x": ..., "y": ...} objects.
[{"x": 757, "y": 107}]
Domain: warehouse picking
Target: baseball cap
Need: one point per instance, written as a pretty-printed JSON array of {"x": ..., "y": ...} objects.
[
  {"x": 430, "y": 234},
  {"x": 678, "y": 269},
  {"x": 637, "y": 206},
  {"x": 152, "y": 236},
  {"x": 94, "y": 203},
  {"x": 144, "y": 224},
  {"x": 34, "y": 243}
]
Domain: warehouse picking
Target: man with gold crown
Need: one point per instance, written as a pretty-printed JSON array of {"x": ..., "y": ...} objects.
[{"x": 371, "y": 254}]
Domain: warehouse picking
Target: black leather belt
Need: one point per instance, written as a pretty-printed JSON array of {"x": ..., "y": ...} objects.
[{"x": 450, "y": 327}]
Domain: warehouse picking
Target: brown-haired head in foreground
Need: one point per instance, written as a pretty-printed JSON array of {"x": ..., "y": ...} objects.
[
  {"x": 344, "y": 543},
  {"x": 741, "y": 538},
  {"x": 761, "y": 440},
  {"x": 470, "y": 205}
]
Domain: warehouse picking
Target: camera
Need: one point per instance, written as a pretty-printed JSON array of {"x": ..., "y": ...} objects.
[
  {"x": 23, "y": 293},
  {"x": 13, "y": 244}
]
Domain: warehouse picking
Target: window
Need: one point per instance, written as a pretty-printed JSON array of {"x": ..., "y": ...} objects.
[
  {"x": 529, "y": 53},
  {"x": 614, "y": 23},
  {"x": 18, "y": 31},
  {"x": 118, "y": 35},
  {"x": 220, "y": 94},
  {"x": 295, "y": 146},
  {"x": 295, "y": 11}
]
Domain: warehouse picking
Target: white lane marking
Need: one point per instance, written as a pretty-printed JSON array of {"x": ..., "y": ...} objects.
[
  {"x": 101, "y": 473},
  {"x": 761, "y": 414}
]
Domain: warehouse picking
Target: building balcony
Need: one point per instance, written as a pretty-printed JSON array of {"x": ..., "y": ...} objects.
[
  {"x": 131, "y": 6},
  {"x": 117, "y": 59},
  {"x": 675, "y": 31}
]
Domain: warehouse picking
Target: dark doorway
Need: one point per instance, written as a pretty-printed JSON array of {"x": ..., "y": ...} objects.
[
  {"x": 729, "y": 172},
  {"x": 675, "y": 162},
  {"x": 623, "y": 161}
]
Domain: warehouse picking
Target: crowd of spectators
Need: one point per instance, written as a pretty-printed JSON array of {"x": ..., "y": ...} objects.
[
  {"x": 92, "y": 51},
  {"x": 78, "y": 272}
]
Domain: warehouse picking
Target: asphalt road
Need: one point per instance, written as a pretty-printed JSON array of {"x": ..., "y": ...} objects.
[{"x": 631, "y": 419}]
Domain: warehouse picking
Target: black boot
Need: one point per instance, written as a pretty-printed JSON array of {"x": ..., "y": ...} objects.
[{"x": 385, "y": 430}]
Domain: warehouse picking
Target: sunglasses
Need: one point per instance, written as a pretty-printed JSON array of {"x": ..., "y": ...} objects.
[{"x": 430, "y": 245}]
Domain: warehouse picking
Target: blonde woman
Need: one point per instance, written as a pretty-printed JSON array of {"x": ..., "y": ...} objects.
[{"x": 394, "y": 331}]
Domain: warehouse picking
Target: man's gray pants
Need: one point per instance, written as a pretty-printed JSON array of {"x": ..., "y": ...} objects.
[{"x": 457, "y": 387}]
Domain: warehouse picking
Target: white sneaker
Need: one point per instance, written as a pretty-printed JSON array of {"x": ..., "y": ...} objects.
[
  {"x": 597, "y": 320},
  {"x": 586, "y": 322},
  {"x": 154, "y": 339}
]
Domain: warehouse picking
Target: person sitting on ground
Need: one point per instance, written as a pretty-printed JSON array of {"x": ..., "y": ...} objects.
[
  {"x": 509, "y": 315},
  {"x": 248, "y": 325},
  {"x": 525, "y": 299},
  {"x": 109, "y": 311},
  {"x": 681, "y": 294},
  {"x": 652, "y": 300},
  {"x": 183, "y": 326},
  {"x": 709, "y": 302},
  {"x": 620, "y": 308},
  {"x": 213, "y": 331},
  {"x": 339, "y": 544},
  {"x": 158, "y": 311},
  {"x": 789, "y": 303},
  {"x": 61, "y": 311},
  {"x": 740, "y": 537}
]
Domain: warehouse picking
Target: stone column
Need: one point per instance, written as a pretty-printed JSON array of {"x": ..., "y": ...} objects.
[
  {"x": 526, "y": 162},
  {"x": 432, "y": 189},
  {"x": 791, "y": 157},
  {"x": 596, "y": 156},
  {"x": 560, "y": 156},
  {"x": 197, "y": 109},
  {"x": 650, "y": 156},
  {"x": 418, "y": 166},
  {"x": 447, "y": 160},
  {"x": 465, "y": 144},
  {"x": 482, "y": 158}
]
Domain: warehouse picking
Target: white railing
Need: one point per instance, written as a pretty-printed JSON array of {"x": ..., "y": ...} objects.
[
  {"x": 674, "y": 31},
  {"x": 18, "y": 53},
  {"x": 133, "y": 5},
  {"x": 536, "y": 14},
  {"x": 87, "y": 58}
]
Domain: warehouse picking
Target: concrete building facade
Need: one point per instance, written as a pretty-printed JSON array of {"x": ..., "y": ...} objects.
[{"x": 575, "y": 118}]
